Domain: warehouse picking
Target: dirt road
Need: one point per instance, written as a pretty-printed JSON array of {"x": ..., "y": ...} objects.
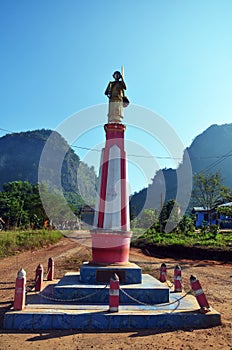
[{"x": 215, "y": 277}]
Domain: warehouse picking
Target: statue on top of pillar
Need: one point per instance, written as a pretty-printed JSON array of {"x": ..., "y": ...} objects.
[{"x": 117, "y": 98}]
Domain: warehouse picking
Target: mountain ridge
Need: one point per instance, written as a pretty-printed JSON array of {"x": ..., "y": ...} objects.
[
  {"x": 20, "y": 155},
  {"x": 209, "y": 152}
]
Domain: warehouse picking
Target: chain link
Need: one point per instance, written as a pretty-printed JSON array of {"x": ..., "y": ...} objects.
[
  {"x": 71, "y": 300},
  {"x": 156, "y": 305},
  {"x": 46, "y": 274},
  {"x": 29, "y": 289},
  {"x": 170, "y": 285}
]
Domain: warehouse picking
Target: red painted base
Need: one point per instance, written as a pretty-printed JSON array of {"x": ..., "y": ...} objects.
[{"x": 110, "y": 247}]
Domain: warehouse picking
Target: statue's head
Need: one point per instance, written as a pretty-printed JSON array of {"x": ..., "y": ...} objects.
[{"x": 117, "y": 75}]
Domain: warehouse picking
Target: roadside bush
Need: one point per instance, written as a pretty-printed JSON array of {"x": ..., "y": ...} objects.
[
  {"x": 206, "y": 239},
  {"x": 214, "y": 229}
]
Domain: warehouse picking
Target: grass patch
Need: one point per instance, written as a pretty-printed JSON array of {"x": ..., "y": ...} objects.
[
  {"x": 189, "y": 239},
  {"x": 13, "y": 242}
]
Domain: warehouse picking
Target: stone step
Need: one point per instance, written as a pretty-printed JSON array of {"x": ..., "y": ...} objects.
[
  {"x": 174, "y": 315},
  {"x": 71, "y": 288}
]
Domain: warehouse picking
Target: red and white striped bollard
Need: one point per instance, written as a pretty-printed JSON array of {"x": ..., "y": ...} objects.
[
  {"x": 39, "y": 278},
  {"x": 114, "y": 293},
  {"x": 199, "y": 294},
  {"x": 50, "y": 274},
  {"x": 20, "y": 290},
  {"x": 177, "y": 279},
  {"x": 163, "y": 273}
]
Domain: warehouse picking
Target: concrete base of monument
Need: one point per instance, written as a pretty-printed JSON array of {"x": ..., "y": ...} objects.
[{"x": 43, "y": 312}]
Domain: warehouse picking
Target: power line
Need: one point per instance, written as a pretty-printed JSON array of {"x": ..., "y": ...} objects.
[
  {"x": 220, "y": 160},
  {"x": 129, "y": 155},
  {"x": 6, "y": 130},
  {"x": 153, "y": 156},
  {"x": 210, "y": 166},
  {"x": 88, "y": 149}
]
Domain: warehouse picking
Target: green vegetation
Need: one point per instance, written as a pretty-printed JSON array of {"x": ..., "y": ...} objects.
[
  {"x": 183, "y": 233},
  {"x": 227, "y": 211},
  {"x": 22, "y": 167},
  {"x": 206, "y": 152},
  {"x": 209, "y": 191},
  {"x": 146, "y": 219},
  {"x": 13, "y": 242},
  {"x": 21, "y": 206},
  {"x": 21, "y": 156},
  {"x": 163, "y": 221},
  {"x": 209, "y": 239}
]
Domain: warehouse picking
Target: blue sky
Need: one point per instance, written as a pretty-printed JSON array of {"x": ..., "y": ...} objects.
[{"x": 58, "y": 56}]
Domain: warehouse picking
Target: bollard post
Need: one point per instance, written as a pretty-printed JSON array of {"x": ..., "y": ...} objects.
[
  {"x": 199, "y": 294},
  {"x": 114, "y": 293},
  {"x": 177, "y": 279},
  {"x": 20, "y": 290},
  {"x": 50, "y": 274},
  {"x": 39, "y": 278},
  {"x": 163, "y": 273}
]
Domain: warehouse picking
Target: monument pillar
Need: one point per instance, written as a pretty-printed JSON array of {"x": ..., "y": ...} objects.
[
  {"x": 113, "y": 209},
  {"x": 111, "y": 236}
]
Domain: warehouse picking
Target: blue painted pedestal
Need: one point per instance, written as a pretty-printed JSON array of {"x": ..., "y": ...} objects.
[
  {"x": 71, "y": 288},
  {"x": 128, "y": 273}
]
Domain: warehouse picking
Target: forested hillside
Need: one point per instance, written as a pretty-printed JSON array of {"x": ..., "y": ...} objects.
[
  {"x": 209, "y": 152},
  {"x": 20, "y": 155}
]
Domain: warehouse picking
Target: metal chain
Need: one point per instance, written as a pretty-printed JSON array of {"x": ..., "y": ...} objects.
[
  {"x": 170, "y": 285},
  {"x": 46, "y": 274},
  {"x": 157, "y": 305},
  {"x": 29, "y": 289},
  {"x": 71, "y": 300},
  {"x": 167, "y": 268}
]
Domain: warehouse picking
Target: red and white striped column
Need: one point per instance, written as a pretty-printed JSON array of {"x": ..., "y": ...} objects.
[{"x": 111, "y": 239}]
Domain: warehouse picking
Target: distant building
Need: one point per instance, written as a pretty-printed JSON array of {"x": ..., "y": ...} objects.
[
  {"x": 207, "y": 216},
  {"x": 204, "y": 216},
  {"x": 225, "y": 221},
  {"x": 87, "y": 215}
]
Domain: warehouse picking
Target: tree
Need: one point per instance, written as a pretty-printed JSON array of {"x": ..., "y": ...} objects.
[
  {"x": 75, "y": 201},
  {"x": 227, "y": 210},
  {"x": 56, "y": 206},
  {"x": 147, "y": 218},
  {"x": 169, "y": 216},
  {"x": 186, "y": 224},
  {"x": 20, "y": 204},
  {"x": 208, "y": 190}
]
